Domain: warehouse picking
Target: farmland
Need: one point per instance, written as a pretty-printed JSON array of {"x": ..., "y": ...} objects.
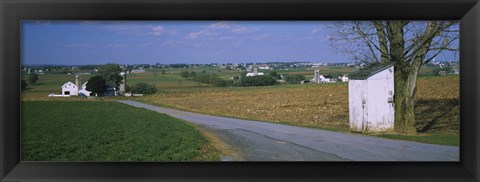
[
  {"x": 317, "y": 105},
  {"x": 310, "y": 105},
  {"x": 107, "y": 131}
]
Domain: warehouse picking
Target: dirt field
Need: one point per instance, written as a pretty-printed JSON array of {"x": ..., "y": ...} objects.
[{"x": 315, "y": 105}]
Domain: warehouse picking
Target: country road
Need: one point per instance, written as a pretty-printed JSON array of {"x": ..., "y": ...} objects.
[{"x": 262, "y": 141}]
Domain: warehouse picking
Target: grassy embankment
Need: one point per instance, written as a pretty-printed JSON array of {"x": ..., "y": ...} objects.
[
  {"x": 107, "y": 131},
  {"x": 320, "y": 106}
]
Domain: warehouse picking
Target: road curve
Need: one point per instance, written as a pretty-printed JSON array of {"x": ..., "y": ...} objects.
[{"x": 262, "y": 141}]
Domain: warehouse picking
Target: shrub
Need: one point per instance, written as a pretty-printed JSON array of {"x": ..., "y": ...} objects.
[
  {"x": 294, "y": 79},
  {"x": 33, "y": 78},
  {"x": 262, "y": 80},
  {"x": 143, "y": 88},
  {"x": 96, "y": 85},
  {"x": 213, "y": 79},
  {"x": 275, "y": 75},
  {"x": 443, "y": 71}
]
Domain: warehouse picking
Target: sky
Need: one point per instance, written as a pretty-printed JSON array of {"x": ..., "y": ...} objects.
[{"x": 170, "y": 42}]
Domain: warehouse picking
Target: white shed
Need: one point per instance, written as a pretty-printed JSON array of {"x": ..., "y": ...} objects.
[
  {"x": 69, "y": 88},
  {"x": 371, "y": 106}
]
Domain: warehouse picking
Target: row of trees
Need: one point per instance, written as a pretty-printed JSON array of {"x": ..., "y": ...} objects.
[
  {"x": 32, "y": 79},
  {"x": 242, "y": 80},
  {"x": 109, "y": 74}
]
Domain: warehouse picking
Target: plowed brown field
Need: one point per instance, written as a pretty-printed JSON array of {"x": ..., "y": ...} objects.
[{"x": 314, "y": 105}]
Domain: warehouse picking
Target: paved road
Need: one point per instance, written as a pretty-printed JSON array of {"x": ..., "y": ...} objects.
[{"x": 261, "y": 141}]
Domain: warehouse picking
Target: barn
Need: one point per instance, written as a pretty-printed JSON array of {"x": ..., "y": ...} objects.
[
  {"x": 69, "y": 88},
  {"x": 371, "y": 106}
]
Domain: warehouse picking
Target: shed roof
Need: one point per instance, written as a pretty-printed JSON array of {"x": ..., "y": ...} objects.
[{"x": 365, "y": 73}]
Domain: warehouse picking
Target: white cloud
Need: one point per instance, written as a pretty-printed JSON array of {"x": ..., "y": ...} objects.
[
  {"x": 226, "y": 38},
  {"x": 117, "y": 45},
  {"x": 159, "y": 30},
  {"x": 203, "y": 33},
  {"x": 77, "y": 45},
  {"x": 263, "y": 37},
  {"x": 144, "y": 44},
  {"x": 221, "y": 31},
  {"x": 172, "y": 43},
  {"x": 139, "y": 29},
  {"x": 221, "y": 24},
  {"x": 241, "y": 29}
]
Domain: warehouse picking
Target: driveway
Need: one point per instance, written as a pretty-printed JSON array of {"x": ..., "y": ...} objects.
[{"x": 262, "y": 141}]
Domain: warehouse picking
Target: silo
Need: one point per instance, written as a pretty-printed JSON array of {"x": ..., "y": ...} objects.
[
  {"x": 316, "y": 76},
  {"x": 123, "y": 83},
  {"x": 77, "y": 82}
]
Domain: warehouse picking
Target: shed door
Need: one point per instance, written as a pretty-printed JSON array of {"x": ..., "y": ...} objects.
[{"x": 364, "y": 114}]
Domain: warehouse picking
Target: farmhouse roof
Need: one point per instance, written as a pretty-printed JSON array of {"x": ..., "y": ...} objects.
[
  {"x": 367, "y": 72},
  {"x": 68, "y": 82}
]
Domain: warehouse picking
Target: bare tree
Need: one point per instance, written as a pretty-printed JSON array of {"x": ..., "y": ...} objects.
[{"x": 406, "y": 44}]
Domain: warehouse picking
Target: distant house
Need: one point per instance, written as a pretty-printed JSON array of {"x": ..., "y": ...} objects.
[
  {"x": 371, "y": 99},
  {"x": 255, "y": 73},
  {"x": 343, "y": 78},
  {"x": 69, "y": 88},
  {"x": 84, "y": 91},
  {"x": 111, "y": 90},
  {"x": 264, "y": 67},
  {"x": 327, "y": 79},
  {"x": 137, "y": 71},
  {"x": 456, "y": 71}
]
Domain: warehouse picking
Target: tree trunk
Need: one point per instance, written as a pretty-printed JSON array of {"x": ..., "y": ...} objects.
[
  {"x": 405, "y": 77},
  {"x": 405, "y": 89}
]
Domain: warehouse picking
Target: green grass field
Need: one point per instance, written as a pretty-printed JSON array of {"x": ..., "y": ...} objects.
[{"x": 107, "y": 131}]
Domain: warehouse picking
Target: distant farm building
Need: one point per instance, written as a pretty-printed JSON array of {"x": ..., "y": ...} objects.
[
  {"x": 371, "y": 99},
  {"x": 318, "y": 78},
  {"x": 137, "y": 71},
  {"x": 83, "y": 91},
  {"x": 264, "y": 67},
  {"x": 75, "y": 89},
  {"x": 69, "y": 88},
  {"x": 327, "y": 79},
  {"x": 343, "y": 78},
  {"x": 255, "y": 73}
]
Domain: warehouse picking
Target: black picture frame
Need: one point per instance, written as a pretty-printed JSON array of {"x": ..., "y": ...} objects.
[{"x": 13, "y": 11}]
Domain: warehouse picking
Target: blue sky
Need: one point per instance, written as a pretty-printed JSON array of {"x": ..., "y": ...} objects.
[{"x": 167, "y": 42}]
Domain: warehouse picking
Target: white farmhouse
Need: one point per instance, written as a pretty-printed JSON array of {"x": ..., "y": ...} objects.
[
  {"x": 84, "y": 91},
  {"x": 75, "y": 89},
  {"x": 371, "y": 99},
  {"x": 326, "y": 79},
  {"x": 138, "y": 71},
  {"x": 255, "y": 73},
  {"x": 343, "y": 78},
  {"x": 69, "y": 88}
]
